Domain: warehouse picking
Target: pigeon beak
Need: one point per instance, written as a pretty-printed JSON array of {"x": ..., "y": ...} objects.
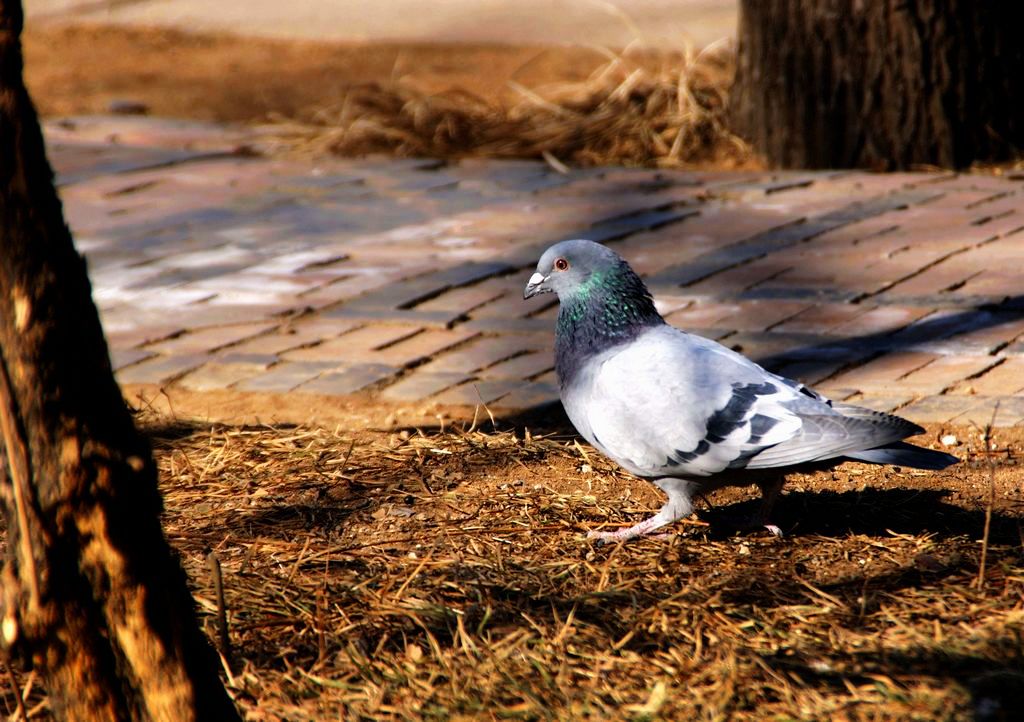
[{"x": 535, "y": 286}]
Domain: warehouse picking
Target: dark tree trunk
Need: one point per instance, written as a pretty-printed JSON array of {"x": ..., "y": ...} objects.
[
  {"x": 882, "y": 84},
  {"x": 92, "y": 596}
]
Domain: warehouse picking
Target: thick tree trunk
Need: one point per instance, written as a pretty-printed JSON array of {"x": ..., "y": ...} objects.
[
  {"x": 886, "y": 85},
  {"x": 92, "y": 596}
]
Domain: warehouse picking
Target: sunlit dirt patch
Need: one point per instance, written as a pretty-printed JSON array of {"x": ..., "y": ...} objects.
[{"x": 445, "y": 575}]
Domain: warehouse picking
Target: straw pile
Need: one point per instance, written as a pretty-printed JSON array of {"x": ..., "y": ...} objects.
[
  {"x": 443, "y": 575},
  {"x": 626, "y": 113}
]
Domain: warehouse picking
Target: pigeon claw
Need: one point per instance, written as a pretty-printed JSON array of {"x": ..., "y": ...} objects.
[
  {"x": 611, "y": 537},
  {"x": 604, "y": 537}
]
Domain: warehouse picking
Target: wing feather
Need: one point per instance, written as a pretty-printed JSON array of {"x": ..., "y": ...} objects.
[{"x": 673, "y": 404}]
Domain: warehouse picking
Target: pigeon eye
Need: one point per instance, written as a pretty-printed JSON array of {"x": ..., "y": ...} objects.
[{"x": 561, "y": 264}]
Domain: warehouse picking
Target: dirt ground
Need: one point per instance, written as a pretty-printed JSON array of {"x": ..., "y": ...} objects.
[
  {"x": 83, "y": 68},
  {"x": 377, "y": 569},
  {"x": 414, "y": 574}
]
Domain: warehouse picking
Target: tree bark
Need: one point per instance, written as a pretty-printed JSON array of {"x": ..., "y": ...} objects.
[
  {"x": 885, "y": 85},
  {"x": 92, "y": 596}
]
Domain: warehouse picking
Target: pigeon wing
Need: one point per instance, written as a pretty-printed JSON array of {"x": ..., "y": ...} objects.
[
  {"x": 668, "y": 404},
  {"x": 673, "y": 404}
]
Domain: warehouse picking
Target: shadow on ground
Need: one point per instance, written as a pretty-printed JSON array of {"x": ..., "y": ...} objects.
[{"x": 874, "y": 512}]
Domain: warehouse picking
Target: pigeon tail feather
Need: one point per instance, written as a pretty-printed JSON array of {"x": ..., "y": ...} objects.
[{"x": 903, "y": 454}]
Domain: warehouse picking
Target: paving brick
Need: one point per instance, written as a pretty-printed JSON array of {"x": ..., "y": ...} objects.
[
  {"x": 774, "y": 289},
  {"x": 1004, "y": 379},
  {"x": 354, "y": 346},
  {"x": 884, "y": 373},
  {"x": 349, "y": 380},
  {"x": 857, "y": 235},
  {"x": 483, "y": 352},
  {"x": 286, "y": 376},
  {"x": 702, "y": 314},
  {"x": 722, "y": 223},
  {"x": 942, "y": 324},
  {"x": 521, "y": 367},
  {"x": 529, "y": 396},
  {"x": 209, "y": 339},
  {"x": 993, "y": 283},
  {"x": 123, "y": 357},
  {"x": 477, "y": 392},
  {"x": 633, "y": 222},
  {"x": 1003, "y": 330},
  {"x": 810, "y": 373},
  {"x": 775, "y": 184},
  {"x": 422, "y": 346},
  {"x": 421, "y": 384},
  {"x": 407, "y": 294},
  {"x": 650, "y": 252},
  {"x": 759, "y": 315},
  {"x": 530, "y": 326},
  {"x": 1000, "y": 411},
  {"x": 783, "y": 348},
  {"x": 509, "y": 306},
  {"x": 401, "y": 294},
  {"x": 945, "y": 277},
  {"x": 205, "y": 315},
  {"x": 160, "y": 369},
  {"x": 788, "y": 235},
  {"x": 132, "y": 336},
  {"x": 736, "y": 279},
  {"x": 945, "y": 372},
  {"x": 939, "y": 409},
  {"x": 344, "y": 289},
  {"x": 220, "y": 374},
  {"x": 888, "y": 404},
  {"x": 817, "y": 318},
  {"x": 293, "y": 335},
  {"x": 665, "y": 303},
  {"x": 436, "y": 319},
  {"x": 262, "y": 360},
  {"x": 879, "y": 320},
  {"x": 460, "y": 300},
  {"x": 465, "y": 273}
]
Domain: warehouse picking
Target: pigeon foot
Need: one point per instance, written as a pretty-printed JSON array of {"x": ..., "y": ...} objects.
[
  {"x": 644, "y": 528},
  {"x": 610, "y": 537},
  {"x": 747, "y": 525}
]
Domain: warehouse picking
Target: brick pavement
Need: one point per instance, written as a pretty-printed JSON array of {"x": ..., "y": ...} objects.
[{"x": 217, "y": 269}]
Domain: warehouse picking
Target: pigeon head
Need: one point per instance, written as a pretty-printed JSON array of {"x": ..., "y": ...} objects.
[
  {"x": 573, "y": 267},
  {"x": 603, "y": 301}
]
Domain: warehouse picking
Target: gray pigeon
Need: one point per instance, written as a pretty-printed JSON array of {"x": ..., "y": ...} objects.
[{"x": 688, "y": 413}]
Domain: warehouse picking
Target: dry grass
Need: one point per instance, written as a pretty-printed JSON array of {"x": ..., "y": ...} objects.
[
  {"x": 629, "y": 112},
  {"x": 443, "y": 575}
]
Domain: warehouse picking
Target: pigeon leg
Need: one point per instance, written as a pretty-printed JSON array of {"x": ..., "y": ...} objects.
[
  {"x": 769, "y": 493},
  {"x": 680, "y": 504}
]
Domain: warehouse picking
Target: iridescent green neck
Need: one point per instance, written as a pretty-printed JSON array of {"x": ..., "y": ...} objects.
[{"x": 608, "y": 308}]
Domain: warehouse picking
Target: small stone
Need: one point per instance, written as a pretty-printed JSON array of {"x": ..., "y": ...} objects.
[
  {"x": 9, "y": 629},
  {"x": 949, "y": 440},
  {"x": 925, "y": 562},
  {"x": 122, "y": 106}
]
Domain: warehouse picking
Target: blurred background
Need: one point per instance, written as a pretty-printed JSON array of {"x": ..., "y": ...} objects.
[
  {"x": 669, "y": 83},
  {"x": 500, "y": 78}
]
